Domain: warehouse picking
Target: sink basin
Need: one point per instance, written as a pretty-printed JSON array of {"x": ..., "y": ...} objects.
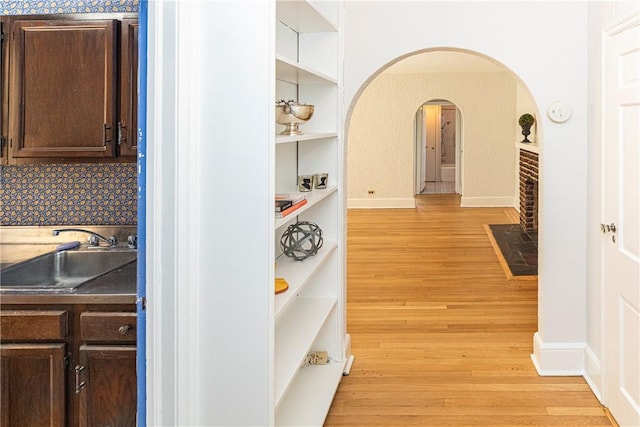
[{"x": 62, "y": 271}]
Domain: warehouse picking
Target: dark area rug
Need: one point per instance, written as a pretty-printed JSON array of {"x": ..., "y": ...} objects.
[{"x": 516, "y": 249}]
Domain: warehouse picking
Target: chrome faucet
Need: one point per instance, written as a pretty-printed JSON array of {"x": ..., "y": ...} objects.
[
  {"x": 132, "y": 241},
  {"x": 94, "y": 238}
]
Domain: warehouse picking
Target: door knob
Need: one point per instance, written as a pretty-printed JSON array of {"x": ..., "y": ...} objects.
[
  {"x": 608, "y": 227},
  {"x": 123, "y": 330}
]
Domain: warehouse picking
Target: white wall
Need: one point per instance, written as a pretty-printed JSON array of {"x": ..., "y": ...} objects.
[
  {"x": 381, "y": 146},
  {"x": 544, "y": 44},
  {"x": 210, "y": 269}
]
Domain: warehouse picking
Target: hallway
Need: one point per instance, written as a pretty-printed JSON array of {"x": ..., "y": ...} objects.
[{"x": 440, "y": 336}]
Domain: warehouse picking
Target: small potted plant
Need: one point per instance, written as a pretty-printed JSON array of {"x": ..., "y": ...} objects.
[{"x": 526, "y": 121}]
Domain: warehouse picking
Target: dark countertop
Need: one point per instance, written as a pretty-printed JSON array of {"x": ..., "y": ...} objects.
[{"x": 116, "y": 287}]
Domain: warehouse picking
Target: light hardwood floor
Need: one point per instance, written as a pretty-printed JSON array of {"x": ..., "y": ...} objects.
[{"x": 440, "y": 336}]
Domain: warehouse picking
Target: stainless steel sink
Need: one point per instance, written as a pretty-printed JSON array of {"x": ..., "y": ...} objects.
[{"x": 63, "y": 271}]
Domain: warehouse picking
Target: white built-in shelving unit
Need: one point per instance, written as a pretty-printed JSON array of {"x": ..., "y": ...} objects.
[
  {"x": 310, "y": 315},
  {"x": 223, "y": 348}
]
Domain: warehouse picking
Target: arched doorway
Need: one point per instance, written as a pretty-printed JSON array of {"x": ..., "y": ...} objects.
[
  {"x": 438, "y": 148},
  {"x": 382, "y": 156}
]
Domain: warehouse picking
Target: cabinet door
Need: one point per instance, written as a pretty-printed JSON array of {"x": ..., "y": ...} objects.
[
  {"x": 128, "y": 124},
  {"x": 32, "y": 381},
  {"x": 62, "y": 93},
  {"x": 108, "y": 396},
  {"x": 3, "y": 98}
]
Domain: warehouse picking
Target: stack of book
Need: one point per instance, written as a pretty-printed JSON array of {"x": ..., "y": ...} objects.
[{"x": 286, "y": 203}]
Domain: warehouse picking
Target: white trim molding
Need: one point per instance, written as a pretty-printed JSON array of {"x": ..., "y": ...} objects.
[
  {"x": 558, "y": 359},
  {"x": 403, "y": 203},
  {"x": 593, "y": 372},
  {"x": 488, "y": 202}
]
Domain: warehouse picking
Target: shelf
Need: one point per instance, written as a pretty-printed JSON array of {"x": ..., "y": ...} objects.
[
  {"x": 313, "y": 197},
  {"x": 293, "y": 341},
  {"x": 284, "y": 139},
  {"x": 292, "y": 72},
  {"x": 298, "y": 273},
  {"x": 310, "y": 395},
  {"x": 302, "y": 17}
]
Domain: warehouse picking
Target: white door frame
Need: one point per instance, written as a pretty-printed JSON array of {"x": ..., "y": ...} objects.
[
  {"x": 419, "y": 167},
  {"x": 459, "y": 151},
  {"x": 420, "y": 146},
  {"x": 193, "y": 257}
]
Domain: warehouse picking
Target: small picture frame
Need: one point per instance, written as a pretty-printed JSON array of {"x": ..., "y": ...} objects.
[
  {"x": 305, "y": 183},
  {"x": 321, "y": 180}
]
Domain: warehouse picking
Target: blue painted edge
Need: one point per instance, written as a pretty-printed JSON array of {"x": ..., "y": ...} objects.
[{"x": 141, "y": 358}]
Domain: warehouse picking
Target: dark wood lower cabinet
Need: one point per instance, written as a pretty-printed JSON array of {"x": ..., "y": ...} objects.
[
  {"x": 106, "y": 385},
  {"x": 32, "y": 379},
  {"x": 68, "y": 365}
]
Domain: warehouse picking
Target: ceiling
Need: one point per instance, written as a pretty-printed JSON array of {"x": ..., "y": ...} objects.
[{"x": 445, "y": 62}]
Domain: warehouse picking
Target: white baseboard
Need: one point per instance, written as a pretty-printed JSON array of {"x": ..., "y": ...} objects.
[
  {"x": 558, "y": 359},
  {"x": 487, "y": 202},
  {"x": 406, "y": 203},
  {"x": 593, "y": 372}
]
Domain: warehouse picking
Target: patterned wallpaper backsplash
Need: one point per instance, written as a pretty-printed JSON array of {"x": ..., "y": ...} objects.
[
  {"x": 77, "y": 194},
  {"x": 26, "y": 7},
  {"x": 81, "y": 194}
]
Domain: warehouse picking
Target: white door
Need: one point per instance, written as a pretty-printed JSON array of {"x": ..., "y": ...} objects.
[
  {"x": 459, "y": 159},
  {"x": 421, "y": 151},
  {"x": 432, "y": 123},
  {"x": 621, "y": 222}
]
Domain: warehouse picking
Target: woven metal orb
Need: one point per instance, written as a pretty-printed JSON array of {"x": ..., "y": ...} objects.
[{"x": 301, "y": 240}]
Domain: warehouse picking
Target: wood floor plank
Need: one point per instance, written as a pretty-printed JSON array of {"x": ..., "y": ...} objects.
[{"x": 440, "y": 336}]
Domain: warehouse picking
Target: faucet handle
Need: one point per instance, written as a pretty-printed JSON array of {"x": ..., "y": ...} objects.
[
  {"x": 132, "y": 241},
  {"x": 113, "y": 242},
  {"x": 93, "y": 240}
]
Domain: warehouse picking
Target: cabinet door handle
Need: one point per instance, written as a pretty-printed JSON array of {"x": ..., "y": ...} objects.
[
  {"x": 121, "y": 137},
  {"x": 123, "y": 330},
  {"x": 79, "y": 384},
  {"x": 105, "y": 128}
]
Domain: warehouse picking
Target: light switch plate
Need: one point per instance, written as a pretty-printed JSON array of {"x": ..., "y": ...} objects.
[{"x": 559, "y": 112}]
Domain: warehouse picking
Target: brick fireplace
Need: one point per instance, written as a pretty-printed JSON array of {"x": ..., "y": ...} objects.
[{"x": 528, "y": 191}]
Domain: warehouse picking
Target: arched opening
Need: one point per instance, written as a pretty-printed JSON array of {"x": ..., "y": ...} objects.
[
  {"x": 388, "y": 148},
  {"x": 380, "y": 135},
  {"x": 438, "y": 125}
]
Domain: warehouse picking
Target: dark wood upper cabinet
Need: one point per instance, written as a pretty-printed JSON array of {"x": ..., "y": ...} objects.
[
  {"x": 128, "y": 123},
  {"x": 63, "y": 88},
  {"x": 70, "y": 88},
  {"x": 4, "y": 54}
]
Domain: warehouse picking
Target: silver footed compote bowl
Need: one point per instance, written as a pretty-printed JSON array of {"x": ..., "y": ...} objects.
[{"x": 291, "y": 114}]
